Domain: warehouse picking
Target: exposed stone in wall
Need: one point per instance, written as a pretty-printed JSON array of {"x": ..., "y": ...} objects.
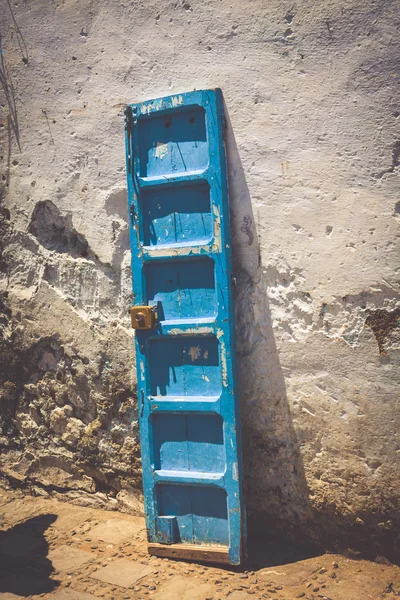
[
  {"x": 54, "y": 232},
  {"x": 67, "y": 414},
  {"x": 312, "y": 137},
  {"x": 73, "y": 420},
  {"x": 385, "y": 325}
]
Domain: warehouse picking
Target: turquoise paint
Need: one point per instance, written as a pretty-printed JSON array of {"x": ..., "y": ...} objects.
[
  {"x": 185, "y": 288},
  {"x": 181, "y": 260},
  {"x": 169, "y": 219}
]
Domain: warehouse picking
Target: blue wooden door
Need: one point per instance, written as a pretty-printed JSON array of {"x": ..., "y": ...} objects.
[{"x": 183, "y": 316}]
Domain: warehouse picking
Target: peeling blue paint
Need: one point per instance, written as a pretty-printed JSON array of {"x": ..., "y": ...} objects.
[{"x": 181, "y": 261}]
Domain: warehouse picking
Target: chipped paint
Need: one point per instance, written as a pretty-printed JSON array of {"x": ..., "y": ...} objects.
[
  {"x": 161, "y": 150},
  {"x": 217, "y": 228},
  {"x": 146, "y": 108},
  {"x": 191, "y": 331},
  {"x": 224, "y": 369},
  {"x": 194, "y": 352},
  {"x": 235, "y": 475},
  {"x": 176, "y": 251},
  {"x": 176, "y": 101},
  {"x": 135, "y": 226}
]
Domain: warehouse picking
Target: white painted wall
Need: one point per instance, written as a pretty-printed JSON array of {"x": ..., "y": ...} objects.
[{"x": 313, "y": 144}]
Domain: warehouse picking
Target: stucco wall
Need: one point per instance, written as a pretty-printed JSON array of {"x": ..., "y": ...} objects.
[{"x": 313, "y": 144}]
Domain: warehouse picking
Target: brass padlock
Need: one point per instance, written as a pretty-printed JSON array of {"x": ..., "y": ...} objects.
[{"x": 143, "y": 317}]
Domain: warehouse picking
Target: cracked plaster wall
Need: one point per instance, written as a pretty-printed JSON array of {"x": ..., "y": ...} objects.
[{"x": 311, "y": 92}]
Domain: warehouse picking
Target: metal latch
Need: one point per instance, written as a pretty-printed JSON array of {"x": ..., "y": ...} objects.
[{"x": 143, "y": 317}]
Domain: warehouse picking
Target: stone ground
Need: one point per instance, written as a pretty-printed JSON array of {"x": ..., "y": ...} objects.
[{"x": 51, "y": 549}]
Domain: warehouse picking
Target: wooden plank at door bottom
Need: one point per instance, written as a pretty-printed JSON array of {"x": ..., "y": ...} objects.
[{"x": 212, "y": 554}]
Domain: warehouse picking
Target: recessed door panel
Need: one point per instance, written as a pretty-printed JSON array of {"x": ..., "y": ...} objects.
[
  {"x": 188, "y": 443},
  {"x": 173, "y": 142},
  {"x": 184, "y": 289},
  {"x": 184, "y": 366},
  {"x": 176, "y": 214},
  {"x": 201, "y": 512}
]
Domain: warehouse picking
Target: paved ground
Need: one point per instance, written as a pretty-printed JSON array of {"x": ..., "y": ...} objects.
[{"x": 51, "y": 549}]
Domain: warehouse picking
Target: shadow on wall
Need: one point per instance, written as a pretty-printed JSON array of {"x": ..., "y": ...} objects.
[
  {"x": 278, "y": 500},
  {"x": 276, "y": 492},
  {"x": 24, "y": 566}
]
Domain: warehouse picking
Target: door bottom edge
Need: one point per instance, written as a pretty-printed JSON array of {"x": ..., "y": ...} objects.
[{"x": 213, "y": 554}]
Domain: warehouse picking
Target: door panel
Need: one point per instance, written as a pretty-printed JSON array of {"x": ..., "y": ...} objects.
[
  {"x": 188, "y": 443},
  {"x": 200, "y": 512},
  {"x": 176, "y": 214},
  {"x": 174, "y": 142},
  {"x": 185, "y": 289},
  {"x": 186, "y": 364}
]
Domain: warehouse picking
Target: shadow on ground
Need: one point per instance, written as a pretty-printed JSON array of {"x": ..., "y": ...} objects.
[
  {"x": 24, "y": 566},
  {"x": 272, "y": 553}
]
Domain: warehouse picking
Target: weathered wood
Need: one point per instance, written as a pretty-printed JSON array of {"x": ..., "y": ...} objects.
[
  {"x": 212, "y": 554},
  {"x": 182, "y": 268}
]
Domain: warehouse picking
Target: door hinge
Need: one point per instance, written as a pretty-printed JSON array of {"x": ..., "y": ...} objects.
[
  {"x": 128, "y": 126},
  {"x": 128, "y": 118}
]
